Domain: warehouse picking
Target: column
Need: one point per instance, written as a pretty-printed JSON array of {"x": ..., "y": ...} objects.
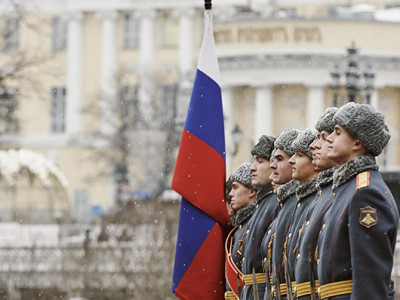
[
  {"x": 315, "y": 105},
  {"x": 263, "y": 121},
  {"x": 374, "y": 99},
  {"x": 108, "y": 70},
  {"x": 229, "y": 123},
  {"x": 147, "y": 57},
  {"x": 186, "y": 42},
  {"x": 74, "y": 73}
]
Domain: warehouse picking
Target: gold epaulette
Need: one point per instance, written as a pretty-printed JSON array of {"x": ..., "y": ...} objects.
[{"x": 363, "y": 180}]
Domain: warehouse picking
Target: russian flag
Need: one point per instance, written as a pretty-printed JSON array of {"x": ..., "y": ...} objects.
[{"x": 199, "y": 177}]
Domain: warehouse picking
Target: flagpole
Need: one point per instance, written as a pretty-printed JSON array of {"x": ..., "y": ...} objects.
[{"x": 207, "y": 4}]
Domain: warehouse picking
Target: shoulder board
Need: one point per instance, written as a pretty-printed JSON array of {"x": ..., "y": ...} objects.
[{"x": 363, "y": 180}]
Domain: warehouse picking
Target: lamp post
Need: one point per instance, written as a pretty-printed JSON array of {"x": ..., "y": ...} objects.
[
  {"x": 353, "y": 75},
  {"x": 335, "y": 74},
  {"x": 369, "y": 77},
  {"x": 236, "y": 139}
]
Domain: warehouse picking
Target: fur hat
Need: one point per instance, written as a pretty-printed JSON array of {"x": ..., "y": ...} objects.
[
  {"x": 242, "y": 174},
  {"x": 272, "y": 155},
  {"x": 285, "y": 139},
  {"x": 303, "y": 141},
  {"x": 325, "y": 121},
  {"x": 264, "y": 147},
  {"x": 365, "y": 123}
]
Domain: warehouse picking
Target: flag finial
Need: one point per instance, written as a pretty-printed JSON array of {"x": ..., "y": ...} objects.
[{"x": 207, "y": 4}]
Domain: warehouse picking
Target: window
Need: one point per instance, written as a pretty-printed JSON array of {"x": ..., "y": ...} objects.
[
  {"x": 58, "y": 109},
  {"x": 168, "y": 103},
  {"x": 131, "y": 32},
  {"x": 8, "y": 111},
  {"x": 10, "y": 35},
  {"x": 129, "y": 105},
  {"x": 58, "y": 34},
  {"x": 169, "y": 32}
]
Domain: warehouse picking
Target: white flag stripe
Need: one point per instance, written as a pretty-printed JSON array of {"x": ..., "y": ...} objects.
[{"x": 208, "y": 62}]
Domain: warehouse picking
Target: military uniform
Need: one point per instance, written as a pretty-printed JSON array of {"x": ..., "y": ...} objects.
[
  {"x": 258, "y": 225},
  {"x": 305, "y": 194},
  {"x": 266, "y": 254},
  {"x": 308, "y": 238},
  {"x": 287, "y": 201},
  {"x": 234, "y": 252},
  {"x": 358, "y": 236}
]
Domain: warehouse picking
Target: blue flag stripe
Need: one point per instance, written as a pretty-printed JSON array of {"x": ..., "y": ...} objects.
[
  {"x": 205, "y": 111},
  {"x": 194, "y": 227}
]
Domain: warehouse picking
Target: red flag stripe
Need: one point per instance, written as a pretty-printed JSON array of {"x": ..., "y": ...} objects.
[
  {"x": 194, "y": 283},
  {"x": 198, "y": 179}
]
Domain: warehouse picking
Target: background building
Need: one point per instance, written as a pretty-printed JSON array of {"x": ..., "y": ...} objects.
[{"x": 101, "y": 89}]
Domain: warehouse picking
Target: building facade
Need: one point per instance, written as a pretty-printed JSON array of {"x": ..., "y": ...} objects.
[{"x": 101, "y": 87}]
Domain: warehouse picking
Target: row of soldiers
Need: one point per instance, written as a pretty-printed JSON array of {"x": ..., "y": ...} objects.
[{"x": 313, "y": 217}]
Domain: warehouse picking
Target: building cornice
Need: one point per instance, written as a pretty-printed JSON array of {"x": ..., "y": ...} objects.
[{"x": 274, "y": 68}]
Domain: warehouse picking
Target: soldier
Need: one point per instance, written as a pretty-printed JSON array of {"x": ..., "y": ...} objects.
[
  {"x": 273, "y": 242},
  {"x": 358, "y": 236},
  {"x": 242, "y": 198},
  {"x": 305, "y": 268},
  {"x": 304, "y": 171},
  {"x": 262, "y": 218}
]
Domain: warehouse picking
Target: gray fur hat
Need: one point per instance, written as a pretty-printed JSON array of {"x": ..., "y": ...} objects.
[
  {"x": 303, "y": 141},
  {"x": 285, "y": 139},
  {"x": 242, "y": 174},
  {"x": 366, "y": 124},
  {"x": 325, "y": 121},
  {"x": 264, "y": 147},
  {"x": 272, "y": 155}
]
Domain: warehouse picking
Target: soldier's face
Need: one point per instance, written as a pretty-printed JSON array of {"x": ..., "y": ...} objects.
[
  {"x": 260, "y": 171},
  {"x": 240, "y": 196},
  {"x": 302, "y": 167},
  {"x": 341, "y": 145},
  {"x": 274, "y": 185},
  {"x": 281, "y": 168},
  {"x": 320, "y": 152}
]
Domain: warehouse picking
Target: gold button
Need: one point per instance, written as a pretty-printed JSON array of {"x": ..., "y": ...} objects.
[
  {"x": 298, "y": 205},
  {"x": 318, "y": 261},
  {"x": 269, "y": 231},
  {"x": 243, "y": 259},
  {"x": 240, "y": 226},
  {"x": 257, "y": 206},
  {"x": 290, "y": 235},
  {"x": 323, "y": 227},
  {"x": 334, "y": 194},
  {"x": 298, "y": 256},
  {"x": 320, "y": 192},
  {"x": 307, "y": 223},
  {"x": 247, "y": 231},
  {"x": 265, "y": 259}
]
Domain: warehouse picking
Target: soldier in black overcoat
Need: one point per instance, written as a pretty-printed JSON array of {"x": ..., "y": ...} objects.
[
  {"x": 242, "y": 200},
  {"x": 266, "y": 208},
  {"x": 358, "y": 235},
  {"x": 274, "y": 239},
  {"x": 304, "y": 171},
  {"x": 305, "y": 266}
]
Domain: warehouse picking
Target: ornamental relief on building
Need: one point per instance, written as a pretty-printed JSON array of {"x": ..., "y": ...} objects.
[{"x": 268, "y": 34}]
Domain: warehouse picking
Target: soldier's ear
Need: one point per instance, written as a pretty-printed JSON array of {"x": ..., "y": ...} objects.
[
  {"x": 252, "y": 193},
  {"x": 357, "y": 146}
]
